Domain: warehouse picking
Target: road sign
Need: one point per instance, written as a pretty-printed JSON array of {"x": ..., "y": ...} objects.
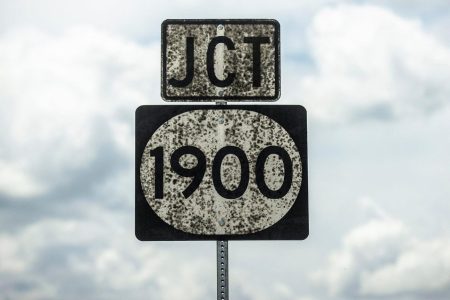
[
  {"x": 209, "y": 172},
  {"x": 232, "y": 60}
]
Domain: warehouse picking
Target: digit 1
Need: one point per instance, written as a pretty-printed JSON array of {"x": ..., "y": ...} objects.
[
  {"x": 287, "y": 165},
  {"x": 216, "y": 172},
  {"x": 158, "y": 153}
]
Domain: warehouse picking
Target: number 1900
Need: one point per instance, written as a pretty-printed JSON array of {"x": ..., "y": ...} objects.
[{"x": 198, "y": 171}]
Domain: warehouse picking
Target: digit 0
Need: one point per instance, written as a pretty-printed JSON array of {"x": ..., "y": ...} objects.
[
  {"x": 216, "y": 172},
  {"x": 260, "y": 164}
]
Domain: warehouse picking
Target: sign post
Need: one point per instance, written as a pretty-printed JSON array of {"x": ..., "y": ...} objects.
[
  {"x": 222, "y": 270},
  {"x": 221, "y": 172}
]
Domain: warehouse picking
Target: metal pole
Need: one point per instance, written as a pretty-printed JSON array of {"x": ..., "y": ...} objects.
[
  {"x": 222, "y": 270},
  {"x": 222, "y": 246}
]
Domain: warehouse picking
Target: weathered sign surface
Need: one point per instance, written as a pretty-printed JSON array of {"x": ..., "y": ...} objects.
[
  {"x": 204, "y": 172},
  {"x": 233, "y": 60}
]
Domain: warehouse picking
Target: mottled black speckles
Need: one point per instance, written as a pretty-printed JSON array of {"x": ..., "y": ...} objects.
[
  {"x": 205, "y": 212},
  {"x": 238, "y": 61}
]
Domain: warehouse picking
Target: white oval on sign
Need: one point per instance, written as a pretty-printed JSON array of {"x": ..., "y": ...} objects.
[{"x": 221, "y": 172}]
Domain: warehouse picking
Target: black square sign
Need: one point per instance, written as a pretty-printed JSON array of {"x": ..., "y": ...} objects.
[{"x": 221, "y": 172}]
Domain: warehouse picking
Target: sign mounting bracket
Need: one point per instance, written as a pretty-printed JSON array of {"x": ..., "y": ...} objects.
[{"x": 219, "y": 63}]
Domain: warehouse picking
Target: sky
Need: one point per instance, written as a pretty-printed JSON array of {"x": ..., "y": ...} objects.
[{"x": 373, "y": 76}]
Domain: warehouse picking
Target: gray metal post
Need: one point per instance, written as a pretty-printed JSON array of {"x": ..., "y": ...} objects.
[
  {"x": 222, "y": 270},
  {"x": 222, "y": 246}
]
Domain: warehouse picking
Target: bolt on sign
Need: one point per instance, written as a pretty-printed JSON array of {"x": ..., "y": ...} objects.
[
  {"x": 231, "y": 60},
  {"x": 210, "y": 172}
]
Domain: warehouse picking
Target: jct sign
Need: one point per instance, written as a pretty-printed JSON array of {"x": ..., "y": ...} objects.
[{"x": 232, "y": 60}]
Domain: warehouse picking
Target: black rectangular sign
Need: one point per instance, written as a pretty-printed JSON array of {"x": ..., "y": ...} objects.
[
  {"x": 221, "y": 172},
  {"x": 232, "y": 60}
]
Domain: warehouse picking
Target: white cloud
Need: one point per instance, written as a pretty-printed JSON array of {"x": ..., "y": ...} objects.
[
  {"x": 423, "y": 268},
  {"x": 372, "y": 63},
  {"x": 16, "y": 182},
  {"x": 68, "y": 104},
  {"x": 99, "y": 258},
  {"x": 245, "y": 285},
  {"x": 115, "y": 15},
  {"x": 9, "y": 256},
  {"x": 383, "y": 258},
  {"x": 363, "y": 247},
  {"x": 96, "y": 259}
]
